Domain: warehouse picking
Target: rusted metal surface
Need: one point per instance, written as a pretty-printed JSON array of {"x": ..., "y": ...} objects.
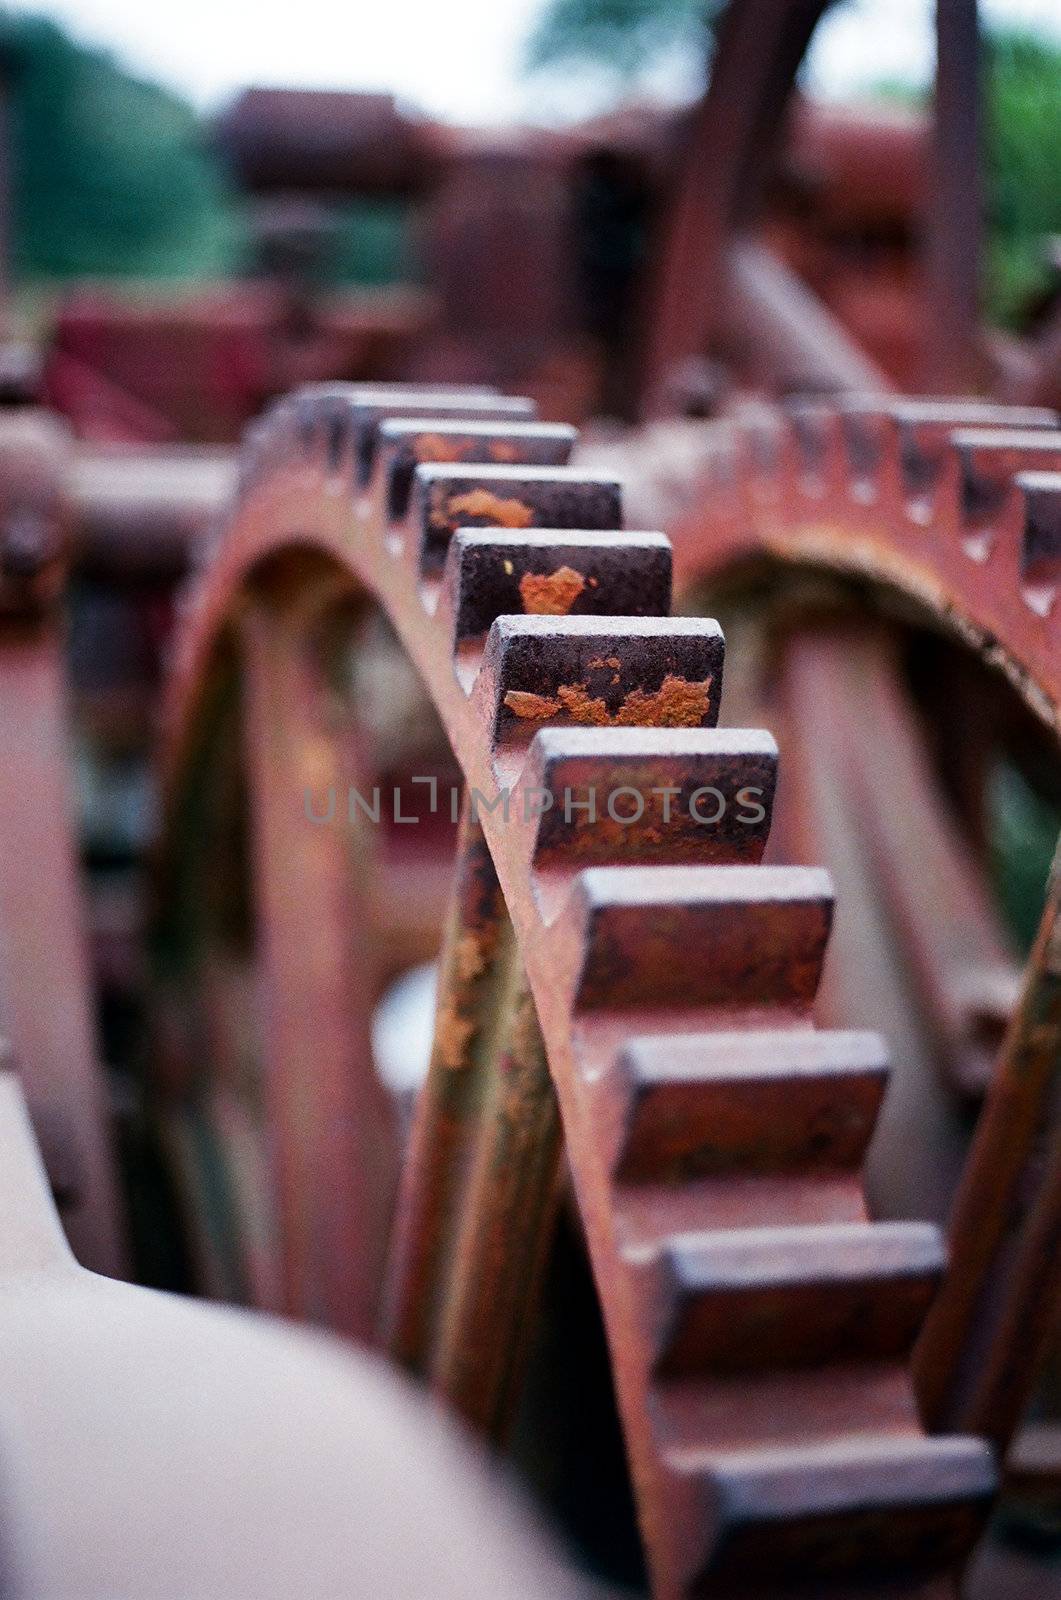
[
  {"x": 759, "y": 1325},
  {"x": 760, "y": 47},
  {"x": 955, "y": 503},
  {"x": 953, "y": 217},
  {"x": 165, "y": 369},
  {"x": 862, "y": 167},
  {"x": 326, "y": 1113},
  {"x": 44, "y": 985},
  {"x": 508, "y": 1211},
  {"x": 833, "y": 678},
  {"x": 476, "y": 952},
  {"x": 782, "y": 335},
  {"x": 979, "y": 1352},
  {"x": 312, "y": 139},
  {"x": 36, "y": 529},
  {"x": 503, "y": 201},
  {"x": 963, "y": 960},
  {"x": 141, "y": 511},
  {"x": 838, "y": 194}
]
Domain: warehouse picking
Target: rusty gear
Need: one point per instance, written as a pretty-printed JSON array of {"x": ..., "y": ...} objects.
[{"x": 759, "y": 1325}]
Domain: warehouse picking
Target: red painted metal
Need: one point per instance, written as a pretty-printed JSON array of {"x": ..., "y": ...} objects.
[
  {"x": 758, "y": 1324},
  {"x": 953, "y": 216},
  {"x": 760, "y": 46},
  {"x": 330, "y": 1125},
  {"x": 982, "y": 1345},
  {"x": 956, "y": 503},
  {"x": 955, "y": 506},
  {"x": 45, "y": 1007}
]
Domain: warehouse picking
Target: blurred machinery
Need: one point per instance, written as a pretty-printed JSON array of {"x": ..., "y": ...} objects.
[
  {"x": 657, "y": 1185},
  {"x": 846, "y": 209}
]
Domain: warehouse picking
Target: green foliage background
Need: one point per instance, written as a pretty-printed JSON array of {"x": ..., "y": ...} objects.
[
  {"x": 115, "y": 177},
  {"x": 621, "y": 34},
  {"x": 110, "y": 175},
  {"x": 1023, "y": 166}
]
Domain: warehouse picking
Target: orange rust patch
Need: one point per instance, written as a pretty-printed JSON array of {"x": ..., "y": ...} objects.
[
  {"x": 551, "y": 594},
  {"x": 469, "y": 957},
  {"x": 483, "y": 503},
  {"x": 453, "y": 1034},
  {"x": 532, "y": 707},
  {"x": 677, "y": 703},
  {"x": 433, "y": 447},
  {"x": 580, "y": 708}
]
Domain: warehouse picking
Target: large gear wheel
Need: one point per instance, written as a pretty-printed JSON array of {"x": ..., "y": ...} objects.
[
  {"x": 900, "y": 560},
  {"x": 957, "y": 503},
  {"x": 759, "y": 1324}
]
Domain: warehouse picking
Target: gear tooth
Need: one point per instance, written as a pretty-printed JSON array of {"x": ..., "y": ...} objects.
[
  {"x": 279, "y": 439},
  {"x": 860, "y": 1508},
  {"x": 454, "y": 404},
  {"x": 724, "y": 1104},
  {"x": 701, "y": 936},
  {"x": 289, "y": 430},
  {"x": 600, "y": 671},
  {"x": 404, "y": 444},
  {"x": 869, "y": 446},
  {"x": 922, "y": 440},
  {"x": 761, "y": 450},
  {"x": 919, "y": 493},
  {"x": 746, "y": 1300},
  {"x": 445, "y": 498},
  {"x": 1040, "y": 555},
  {"x": 491, "y": 572},
  {"x": 720, "y": 468},
  {"x": 340, "y": 422},
  {"x": 333, "y": 444},
  {"x": 987, "y": 462},
  {"x": 815, "y": 448},
  {"x": 253, "y": 455},
  {"x": 608, "y": 796},
  {"x": 448, "y": 388},
  {"x": 925, "y": 429},
  {"x": 903, "y": 443}
]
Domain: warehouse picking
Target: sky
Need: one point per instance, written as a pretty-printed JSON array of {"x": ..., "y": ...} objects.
[{"x": 458, "y": 59}]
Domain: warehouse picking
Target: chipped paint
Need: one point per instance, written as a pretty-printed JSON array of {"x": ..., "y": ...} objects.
[
  {"x": 551, "y": 593},
  {"x": 483, "y": 503},
  {"x": 453, "y": 1034},
  {"x": 677, "y": 703},
  {"x": 531, "y": 707},
  {"x": 469, "y": 957},
  {"x": 434, "y": 447}
]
